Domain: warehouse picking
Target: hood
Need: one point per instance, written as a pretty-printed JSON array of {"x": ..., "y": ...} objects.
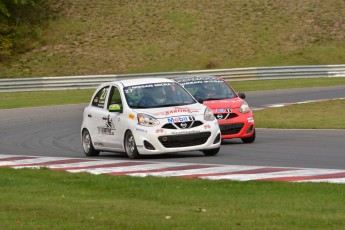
[
  {"x": 224, "y": 103},
  {"x": 164, "y": 112}
]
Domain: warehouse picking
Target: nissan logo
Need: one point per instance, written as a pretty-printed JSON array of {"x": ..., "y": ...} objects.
[
  {"x": 219, "y": 116},
  {"x": 183, "y": 125}
]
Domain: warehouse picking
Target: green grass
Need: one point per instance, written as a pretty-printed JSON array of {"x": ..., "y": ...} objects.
[
  {"x": 111, "y": 37},
  {"x": 44, "y": 199},
  {"x": 43, "y": 98},
  {"x": 259, "y": 85},
  {"x": 317, "y": 115}
]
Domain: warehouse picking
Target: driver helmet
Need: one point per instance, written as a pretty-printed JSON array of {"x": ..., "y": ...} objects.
[{"x": 157, "y": 94}]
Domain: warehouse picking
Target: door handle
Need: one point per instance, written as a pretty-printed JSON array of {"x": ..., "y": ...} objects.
[
  {"x": 105, "y": 118},
  {"x": 89, "y": 115}
]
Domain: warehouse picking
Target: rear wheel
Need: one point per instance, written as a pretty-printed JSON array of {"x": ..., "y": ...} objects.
[
  {"x": 88, "y": 148},
  {"x": 250, "y": 139},
  {"x": 130, "y": 146},
  {"x": 211, "y": 152}
]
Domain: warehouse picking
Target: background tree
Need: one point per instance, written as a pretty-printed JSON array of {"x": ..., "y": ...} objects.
[{"x": 17, "y": 23}]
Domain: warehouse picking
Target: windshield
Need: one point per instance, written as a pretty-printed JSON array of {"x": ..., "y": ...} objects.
[
  {"x": 208, "y": 88},
  {"x": 157, "y": 95}
]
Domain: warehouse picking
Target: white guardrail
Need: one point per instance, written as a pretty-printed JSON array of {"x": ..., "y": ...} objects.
[{"x": 239, "y": 74}]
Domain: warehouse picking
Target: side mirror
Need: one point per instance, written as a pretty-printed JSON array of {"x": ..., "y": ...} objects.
[
  {"x": 242, "y": 95},
  {"x": 115, "y": 108},
  {"x": 200, "y": 100}
]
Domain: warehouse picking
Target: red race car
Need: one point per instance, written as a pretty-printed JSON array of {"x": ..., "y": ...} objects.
[{"x": 234, "y": 115}]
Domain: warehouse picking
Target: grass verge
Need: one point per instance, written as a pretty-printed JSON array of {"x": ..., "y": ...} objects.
[
  {"x": 46, "y": 199},
  {"x": 43, "y": 98},
  {"x": 317, "y": 115},
  {"x": 259, "y": 85}
]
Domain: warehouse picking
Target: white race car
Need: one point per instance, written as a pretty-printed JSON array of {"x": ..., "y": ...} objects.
[{"x": 147, "y": 116}]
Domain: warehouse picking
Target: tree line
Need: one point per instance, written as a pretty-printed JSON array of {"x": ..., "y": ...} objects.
[{"x": 19, "y": 22}]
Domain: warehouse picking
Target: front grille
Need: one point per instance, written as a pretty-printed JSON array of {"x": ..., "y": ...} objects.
[
  {"x": 224, "y": 116},
  {"x": 182, "y": 125},
  {"x": 184, "y": 140},
  {"x": 231, "y": 129}
]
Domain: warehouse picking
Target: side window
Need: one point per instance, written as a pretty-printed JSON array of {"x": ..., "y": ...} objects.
[
  {"x": 99, "y": 99},
  {"x": 114, "y": 97}
]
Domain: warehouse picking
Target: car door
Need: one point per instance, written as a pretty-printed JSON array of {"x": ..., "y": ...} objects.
[
  {"x": 113, "y": 121},
  {"x": 95, "y": 113}
]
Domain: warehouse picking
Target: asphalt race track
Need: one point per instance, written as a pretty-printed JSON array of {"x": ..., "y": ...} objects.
[{"x": 54, "y": 131}]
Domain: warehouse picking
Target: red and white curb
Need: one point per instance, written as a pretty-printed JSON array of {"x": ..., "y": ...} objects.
[{"x": 183, "y": 170}]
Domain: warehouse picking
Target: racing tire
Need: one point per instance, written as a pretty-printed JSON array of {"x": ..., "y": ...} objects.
[
  {"x": 88, "y": 148},
  {"x": 211, "y": 152},
  {"x": 250, "y": 139},
  {"x": 130, "y": 146}
]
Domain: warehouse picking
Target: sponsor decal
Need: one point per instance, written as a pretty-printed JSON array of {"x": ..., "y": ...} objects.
[
  {"x": 198, "y": 80},
  {"x": 185, "y": 132},
  {"x": 190, "y": 82},
  {"x": 180, "y": 119},
  {"x": 134, "y": 87},
  {"x": 223, "y": 110},
  {"x": 141, "y": 130},
  {"x": 178, "y": 110},
  {"x": 140, "y": 146},
  {"x": 250, "y": 119},
  {"x": 207, "y": 126},
  {"x": 159, "y": 130},
  {"x": 108, "y": 128},
  {"x": 99, "y": 143}
]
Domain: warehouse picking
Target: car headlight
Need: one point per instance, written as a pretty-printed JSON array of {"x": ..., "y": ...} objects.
[
  {"x": 208, "y": 115},
  {"x": 147, "y": 120},
  {"x": 244, "y": 108}
]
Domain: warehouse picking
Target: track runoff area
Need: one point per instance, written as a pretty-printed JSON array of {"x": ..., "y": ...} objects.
[{"x": 183, "y": 170}]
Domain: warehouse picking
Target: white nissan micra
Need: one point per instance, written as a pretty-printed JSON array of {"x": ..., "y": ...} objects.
[{"x": 147, "y": 116}]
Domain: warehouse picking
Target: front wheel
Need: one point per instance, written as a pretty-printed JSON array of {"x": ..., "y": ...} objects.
[
  {"x": 211, "y": 152},
  {"x": 88, "y": 148},
  {"x": 250, "y": 139},
  {"x": 130, "y": 146}
]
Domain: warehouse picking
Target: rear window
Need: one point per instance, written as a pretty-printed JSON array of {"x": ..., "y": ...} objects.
[{"x": 99, "y": 98}]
